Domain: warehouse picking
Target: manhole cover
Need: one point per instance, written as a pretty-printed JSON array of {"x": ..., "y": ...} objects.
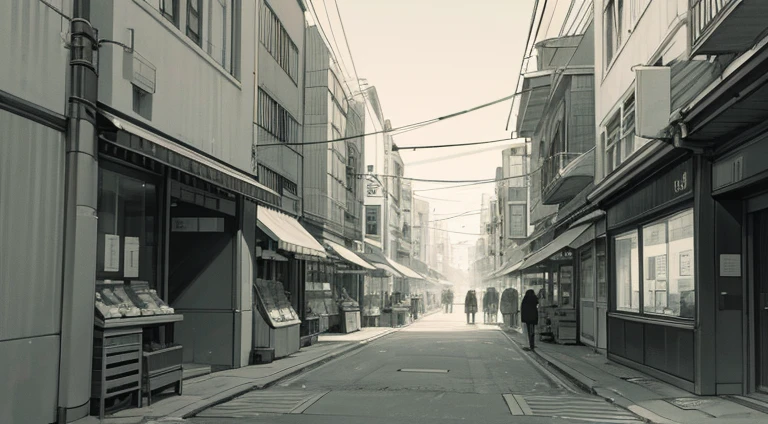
[
  {"x": 427, "y": 370},
  {"x": 689, "y": 403}
]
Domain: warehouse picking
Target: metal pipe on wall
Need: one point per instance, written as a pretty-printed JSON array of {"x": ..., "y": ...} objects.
[{"x": 80, "y": 220}]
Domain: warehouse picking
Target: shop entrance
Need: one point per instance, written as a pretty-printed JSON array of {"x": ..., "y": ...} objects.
[
  {"x": 201, "y": 273},
  {"x": 760, "y": 266}
]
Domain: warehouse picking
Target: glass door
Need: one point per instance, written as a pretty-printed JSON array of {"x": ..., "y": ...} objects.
[{"x": 587, "y": 296}]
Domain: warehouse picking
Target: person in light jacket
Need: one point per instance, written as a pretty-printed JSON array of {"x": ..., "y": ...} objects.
[
  {"x": 529, "y": 312},
  {"x": 470, "y": 305}
]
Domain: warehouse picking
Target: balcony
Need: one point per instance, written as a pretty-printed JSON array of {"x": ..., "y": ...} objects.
[
  {"x": 726, "y": 26},
  {"x": 565, "y": 175}
]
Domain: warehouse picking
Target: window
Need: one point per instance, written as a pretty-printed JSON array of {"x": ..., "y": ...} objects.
[
  {"x": 612, "y": 147},
  {"x": 668, "y": 277},
  {"x": 194, "y": 20},
  {"x": 278, "y": 43},
  {"x": 600, "y": 263},
  {"x": 142, "y": 102},
  {"x": 275, "y": 120},
  {"x": 168, "y": 8},
  {"x": 516, "y": 221},
  {"x": 372, "y": 220},
  {"x": 627, "y": 272},
  {"x": 127, "y": 226},
  {"x": 619, "y": 137},
  {"x": 587, "y": 274},
  {"x": 220, "y": 34},
  {"x": 619, "y": 20}
]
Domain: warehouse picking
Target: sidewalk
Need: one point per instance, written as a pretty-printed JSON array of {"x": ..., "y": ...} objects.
[
  {"x": 654, "y": 400},
  {"x": 205, "y": 391}
]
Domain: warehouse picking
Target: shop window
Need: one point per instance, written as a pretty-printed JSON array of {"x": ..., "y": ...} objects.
[
  {"x": 601, "y": 265},
  {"x": 668, "y": 277},
  {"x": 127, "y": 227},
  {"x": 627, "y": 272}
]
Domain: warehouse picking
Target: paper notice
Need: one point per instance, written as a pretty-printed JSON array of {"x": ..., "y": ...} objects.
[
  {"x": 131, "y": 257},
  {"x": 111, "y": 253}
]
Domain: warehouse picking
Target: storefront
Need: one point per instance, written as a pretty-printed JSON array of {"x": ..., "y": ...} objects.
[
  {"x": 283, "y": 289},
  {"x": 351, "y": 270},
  {"x": 175, "y": 241},
  {"x": 379, "y": 290},
  {"x": 653, "y": 275}
]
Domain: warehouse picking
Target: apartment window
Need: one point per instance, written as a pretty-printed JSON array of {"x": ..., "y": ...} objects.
[
  {"x": 275, "y": 120},
  {"x": 221, "y": 33},
  {"x": 168, "y": 8},
  {"x": 142, "y": 102},
  {"x": 619, "y": 137},
  {"x": 668, "y": 276},
  {"x": 275, "y": 39},
  {"x": 194, "y": 20},
  {"x": 372, "y": 220},
  {"x": 516, "y": 221},
  {"x": 627, "y": 272},
  {"x": 619, "y": 20}
]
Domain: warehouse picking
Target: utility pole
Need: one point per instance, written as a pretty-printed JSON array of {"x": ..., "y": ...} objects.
[{"x": 80, "y": 220}]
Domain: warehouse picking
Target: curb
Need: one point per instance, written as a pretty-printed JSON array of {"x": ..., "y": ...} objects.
[{"x": 192, "y": 410}]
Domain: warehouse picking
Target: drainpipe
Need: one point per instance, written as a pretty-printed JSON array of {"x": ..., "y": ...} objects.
[{"x": 80, "y": 219}]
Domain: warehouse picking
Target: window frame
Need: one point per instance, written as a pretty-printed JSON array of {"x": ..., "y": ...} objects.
[
  {"x": 278, "y": 43},
  {"x": 618, "y": 150},
  {"x": 195, "y": 35},
  {"x": 638, "y": 229}
]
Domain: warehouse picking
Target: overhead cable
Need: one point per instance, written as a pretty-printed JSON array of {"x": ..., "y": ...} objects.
[
  {"x": 450, "y": 231},
  {"x": 456, "y": 216},
  {"x": 422, "y": 124},
  {"x": 522, "y": 59},
  {"x": 441, "y": 146}
]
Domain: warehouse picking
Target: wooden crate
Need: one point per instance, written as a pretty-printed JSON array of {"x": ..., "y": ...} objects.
[
  {"x": 162, "y": 368},
  {"x": 117, "y": 361}
]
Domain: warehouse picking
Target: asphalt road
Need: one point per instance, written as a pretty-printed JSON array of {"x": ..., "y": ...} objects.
[{"x": 439, "y": 369}]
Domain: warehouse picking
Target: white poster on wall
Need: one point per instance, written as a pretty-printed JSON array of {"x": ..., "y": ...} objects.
[
  {"x": 111, "y": 253},
  {"x": 131, "y": 257}
]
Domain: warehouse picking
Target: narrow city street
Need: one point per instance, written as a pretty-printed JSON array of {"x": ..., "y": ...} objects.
[{"x": 439, "y": 369}]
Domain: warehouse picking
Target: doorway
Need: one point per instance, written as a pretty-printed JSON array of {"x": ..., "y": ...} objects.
[{"x": 760, "y": 267}]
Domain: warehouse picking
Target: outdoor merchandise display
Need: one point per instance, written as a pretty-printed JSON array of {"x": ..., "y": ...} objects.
[
  {"x": 275, "y": 304},
  {"x": 276, "y": 326}
]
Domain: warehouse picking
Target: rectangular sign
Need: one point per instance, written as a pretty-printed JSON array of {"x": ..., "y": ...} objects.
[{"x": 730, "y": 265}]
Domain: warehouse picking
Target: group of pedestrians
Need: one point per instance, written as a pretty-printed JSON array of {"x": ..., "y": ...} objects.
[{"x": 529, "y": 310}]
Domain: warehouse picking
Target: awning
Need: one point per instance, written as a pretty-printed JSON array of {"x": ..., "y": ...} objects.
[
  {"x": 137, "y": 139},
  {"x": 380, "y": 261},
  {"x": 565, "y": 240},
  {"x": 288, "y": 233},
  {"x": 533, "y": 100},
  {"x": 446, "y": 283},
  {"x": 349, "y": 255},
  {"x": 271, "y": 255},
  {"x": 509, "y": 268},
  {"x": 402, "y": 269},
  {"x": 373, "y": 242}
]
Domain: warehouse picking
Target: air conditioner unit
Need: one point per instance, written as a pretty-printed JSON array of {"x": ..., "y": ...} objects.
[{"x": 653, "y": 102}]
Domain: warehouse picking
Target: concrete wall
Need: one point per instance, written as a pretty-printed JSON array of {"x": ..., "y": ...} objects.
[{"x": 196, "y": 101}]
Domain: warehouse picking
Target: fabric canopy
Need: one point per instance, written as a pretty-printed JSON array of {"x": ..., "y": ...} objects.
[
  {"x": 271, "y": 255},
  {"x": 349, "y": 255},
  {"x": 402, "y": 269},
  {"x": 555, "y": 246},
  {"x": 135, "y": 138},
  {"x": 380, "y": 261},
  {"x": 288, "y": 233}
]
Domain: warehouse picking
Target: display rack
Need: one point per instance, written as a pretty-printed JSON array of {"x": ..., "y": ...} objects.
[
  {"x": 116, "y": 366},
  {"x": 276, "y": 325}
]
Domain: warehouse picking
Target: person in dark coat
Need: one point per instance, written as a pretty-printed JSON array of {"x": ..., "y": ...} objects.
[
  {"x": 470, "y": 305},
  {"x": 530, "y": 314},
  {"x": 449, "y": 307}
]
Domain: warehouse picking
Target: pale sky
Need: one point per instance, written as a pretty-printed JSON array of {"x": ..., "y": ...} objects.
[{"x": 429, "y": 58}]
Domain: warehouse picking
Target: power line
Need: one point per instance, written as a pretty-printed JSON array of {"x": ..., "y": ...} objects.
[
  {"x": 421, "y": 124},
  {"x": 456, "y": 216},
  {"x": 450, "y": 231},
  {"x": 437, "y": 199},
  {"x": 426, "y": 180},
  {"x": 522, "y": 59},
  {"x": 567, "y": 16},
  {"x": 440, "y": 146},
  {"x": 333, "y": 35},
  {"x": 552, "y": 18}
]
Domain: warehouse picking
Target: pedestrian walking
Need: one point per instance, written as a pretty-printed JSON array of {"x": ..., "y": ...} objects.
[
  {"x": 529, "y": 312},
  {"x": 450, "y": 301},
  {"x": 470, "y": 305}
]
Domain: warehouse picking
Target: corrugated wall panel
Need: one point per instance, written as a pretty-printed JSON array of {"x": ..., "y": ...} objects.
[
  {"x": 34, "y": 58},
  {"x": 31, "y": 227}
]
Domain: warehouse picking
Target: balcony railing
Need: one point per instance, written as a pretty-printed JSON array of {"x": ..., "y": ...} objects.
[
  {"x": 703, "y": 14},
  {"x": 726, "y": 26},
  {"x": 553, "y": 165}
]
